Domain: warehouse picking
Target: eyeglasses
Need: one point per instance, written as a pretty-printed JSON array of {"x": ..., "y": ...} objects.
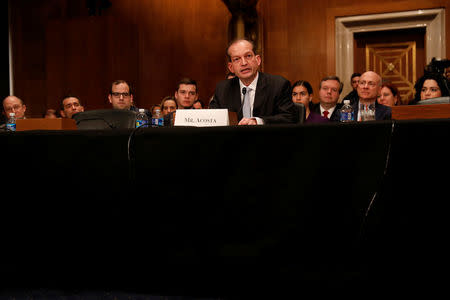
[
  {"x": 117, "y": 95},
  {"x": 369, "y": 83},
  {"x": 13, "y": 108}
]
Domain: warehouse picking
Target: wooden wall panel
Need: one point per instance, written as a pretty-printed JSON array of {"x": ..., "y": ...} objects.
[
  {"x": 295, "y": 39},
  {"x": 181, "y": 39},
  {"x": 28, "y": 52},
  {"x": 299, "y": 35},
  {"x": 4, "y": 49},
  {"x": 84, "y": 55},
  {"x": 152, "y": 44}
]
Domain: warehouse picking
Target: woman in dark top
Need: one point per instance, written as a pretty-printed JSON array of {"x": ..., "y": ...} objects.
[
  {"x": 430, "y": 85},
  {"x": 302, "y": 92}
]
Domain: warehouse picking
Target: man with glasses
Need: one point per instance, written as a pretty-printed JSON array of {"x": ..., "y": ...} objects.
[
  {"x": 330, "y": 88},
  {"x": 70, "y": 105},
  {"x": 121, "y": 95},
  {"x": 13, "y": 104},
  {"x": 367, "y": 107}
]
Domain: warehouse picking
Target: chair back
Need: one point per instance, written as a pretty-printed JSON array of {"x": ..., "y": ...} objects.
[
  {"x": 105, "y": 119},
  {"x": 301, "y": 112}
]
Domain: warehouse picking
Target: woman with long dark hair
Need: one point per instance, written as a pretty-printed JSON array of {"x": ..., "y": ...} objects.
[{"x": 430, "y": 85}]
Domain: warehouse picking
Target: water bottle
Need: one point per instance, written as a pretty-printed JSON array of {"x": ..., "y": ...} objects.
[
  {"x": 11, "y": 123},
  {"x": 347, "y": 113},
  {"x": 141, "y": 118},
  {"x": 157, "y": 118}
]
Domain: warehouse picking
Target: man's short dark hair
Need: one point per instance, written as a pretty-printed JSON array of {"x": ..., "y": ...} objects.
[
  {"x": 155, "y": 106},
  {"x": 355, "y": 75},
  {"x": 117, "y": 82},
  {"x": 68, "y": 96},
  {"x": 238, "y": 40},
  {"x": 187, "y": 81},
  {"x": 333, "y": 77}
]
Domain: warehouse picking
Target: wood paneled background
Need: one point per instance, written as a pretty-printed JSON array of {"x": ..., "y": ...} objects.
[
  {"x": 59, "y": 49},
  {"x": 300, "y": 35}
]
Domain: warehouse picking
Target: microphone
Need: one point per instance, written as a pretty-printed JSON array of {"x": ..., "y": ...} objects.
[{"x": 244, "y": 91}]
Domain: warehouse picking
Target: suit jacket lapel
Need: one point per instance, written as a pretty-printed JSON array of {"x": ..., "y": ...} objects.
[
  {"x": 355, "y": 106},
  {"x": 379, "y": 111},
  {"x": 236, "y": 97},
  {"x": 260, "y": 92}
]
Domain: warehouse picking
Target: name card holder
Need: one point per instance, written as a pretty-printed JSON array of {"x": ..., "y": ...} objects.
[{"x": 204, "y": 117}]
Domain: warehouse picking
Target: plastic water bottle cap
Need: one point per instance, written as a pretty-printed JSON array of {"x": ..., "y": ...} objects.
[
  {"x": 346, "y": 101},
  {"x": 12, "y": 114},
  {"x": 141, "y": 110}
]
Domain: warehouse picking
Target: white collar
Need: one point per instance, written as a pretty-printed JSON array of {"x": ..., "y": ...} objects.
[
  {"x": 330, "y": 110},
  {"x": 251, "y": 85}
]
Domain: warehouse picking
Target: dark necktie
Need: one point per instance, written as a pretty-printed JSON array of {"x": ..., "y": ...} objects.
[{"x": 325, "y": 113}]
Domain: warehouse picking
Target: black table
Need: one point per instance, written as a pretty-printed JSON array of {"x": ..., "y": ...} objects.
[{"x": 226, "y": 211}]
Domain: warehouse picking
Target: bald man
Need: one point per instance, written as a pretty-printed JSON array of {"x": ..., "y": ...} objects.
[
  {"x": 369, "y": 88},
  {"x": 12, "y": 104},
  {"x": 258, "y": 98}
]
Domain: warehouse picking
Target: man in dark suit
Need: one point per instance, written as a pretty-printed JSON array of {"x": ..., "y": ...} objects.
[
  {"x": 353, "y": 95},
  {"x": 369, "y": 88},
  {"x": 330, "y": 88},
  {"x": 258, "y": 98}
]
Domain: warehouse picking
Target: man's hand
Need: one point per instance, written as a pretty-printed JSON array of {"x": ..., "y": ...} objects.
[{"x": 247, "y": 121}]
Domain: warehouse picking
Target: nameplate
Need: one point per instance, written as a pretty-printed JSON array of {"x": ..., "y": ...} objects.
[{"x": 201, "y": 117}]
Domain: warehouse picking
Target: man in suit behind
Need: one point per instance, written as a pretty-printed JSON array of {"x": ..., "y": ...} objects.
[
  {"x": 258, "y": 98},
  {"x": 369, "y": 88},
  {"x": 353, "y": 95},
  {"x": 330, "y": 88},
  {"x": 186, "y": 94}
]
